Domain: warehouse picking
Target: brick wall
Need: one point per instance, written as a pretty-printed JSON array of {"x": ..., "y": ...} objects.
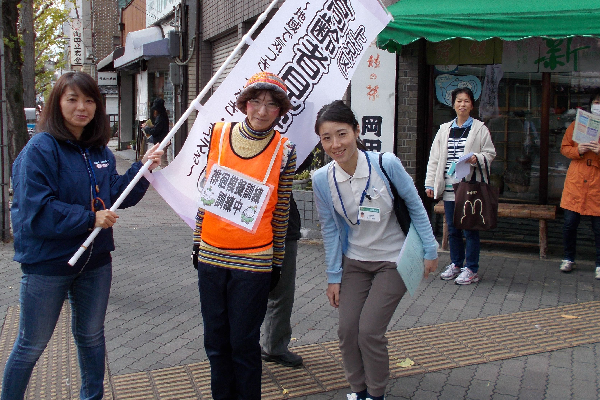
[
  {"x": 406, "y": 91},
  {"x": 105, "y": 20}
]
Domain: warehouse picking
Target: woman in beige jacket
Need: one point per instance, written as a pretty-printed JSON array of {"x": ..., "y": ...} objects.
[{"x": 463, "y": 135}]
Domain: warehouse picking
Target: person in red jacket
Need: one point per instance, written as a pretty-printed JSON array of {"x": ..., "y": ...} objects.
[{"x": 581, "y": 193}]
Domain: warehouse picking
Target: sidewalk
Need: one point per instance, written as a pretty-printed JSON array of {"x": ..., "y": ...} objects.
[{"x": 153, "y": 320}]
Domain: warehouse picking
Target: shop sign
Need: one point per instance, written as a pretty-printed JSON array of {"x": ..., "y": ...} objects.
[
  {"x": 551, "y": 55},
  {"x": 107, "y": 78},
  {"x": 464, "y": 51},
  {"x": 373, "y": 99},
  {"x": 76, "y": 41}
]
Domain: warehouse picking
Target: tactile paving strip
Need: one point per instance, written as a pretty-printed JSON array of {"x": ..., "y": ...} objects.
[
  {"x": 56, "y": 374},
  {"x": 431, "y": 348}
]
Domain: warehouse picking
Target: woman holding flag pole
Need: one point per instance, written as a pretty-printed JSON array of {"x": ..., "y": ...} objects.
[
  {"x": 239, "y": 263},
  {"x": 64, "y": 180}
]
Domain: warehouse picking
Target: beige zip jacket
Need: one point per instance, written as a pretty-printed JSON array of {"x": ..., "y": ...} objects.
[{"x": 479, "y": 141}]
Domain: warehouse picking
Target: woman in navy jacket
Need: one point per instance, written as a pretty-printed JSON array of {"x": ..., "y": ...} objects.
[{"x": 65, "y": 180}]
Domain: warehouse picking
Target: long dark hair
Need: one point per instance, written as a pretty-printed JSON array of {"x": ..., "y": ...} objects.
[
  {"x": 338, "y": 111},
  {"x": 96, "y": 133}
]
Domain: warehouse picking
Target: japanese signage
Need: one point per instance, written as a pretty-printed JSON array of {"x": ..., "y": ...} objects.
[
  {"x": 373, "y": 98},
  {"x": 314, "y": 46},
  {"x": 107, "y": 78},
  {"x": 551, "y": 55},
  {"x": 76, "y": 42},
  {"x": 234, "y": 197},
  {"x": 464, "y": 51}
]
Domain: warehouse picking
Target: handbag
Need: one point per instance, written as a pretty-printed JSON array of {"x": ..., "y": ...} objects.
[
  {"x": 400, "y": 208},
  {"x": 476, "y": 203}
]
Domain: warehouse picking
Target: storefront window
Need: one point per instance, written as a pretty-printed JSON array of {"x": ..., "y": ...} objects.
[{"x": 511, "y": 110}]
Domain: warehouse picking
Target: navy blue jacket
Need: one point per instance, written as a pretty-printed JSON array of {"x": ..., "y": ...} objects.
[{"x": 51, "y": 210}]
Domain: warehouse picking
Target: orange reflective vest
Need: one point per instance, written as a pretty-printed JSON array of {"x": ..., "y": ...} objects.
[{"x": 218, "y": 232}]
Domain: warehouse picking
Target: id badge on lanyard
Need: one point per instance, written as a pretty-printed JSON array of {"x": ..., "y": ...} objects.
[{"x": 366, "y": 213}]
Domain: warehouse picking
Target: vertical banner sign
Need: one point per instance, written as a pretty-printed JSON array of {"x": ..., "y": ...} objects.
[
  {"x": 314, "y": 46},
  {"x": 373, "y": 98},
  {"x": 76, "y": 42}
]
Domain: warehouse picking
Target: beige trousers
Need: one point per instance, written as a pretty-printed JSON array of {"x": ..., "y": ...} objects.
[{"x": 369, "y": 294}]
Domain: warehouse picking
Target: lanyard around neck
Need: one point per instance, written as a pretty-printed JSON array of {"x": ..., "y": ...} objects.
[
  {"x": 362, "y": 197},
  {"x": 94, "y": 188}
]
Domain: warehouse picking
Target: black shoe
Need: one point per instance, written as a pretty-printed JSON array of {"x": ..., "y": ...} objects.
[{"x": 287, "y": 359}]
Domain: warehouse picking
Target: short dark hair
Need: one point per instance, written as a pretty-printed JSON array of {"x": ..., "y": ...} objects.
[
  {"x": 336, "y": 111},
  {"x": 251, "y": 93},
  {"x": 96, "y": 133},
  {"x": 465, "y": 90},
  {"x": 595, "y": 95}
]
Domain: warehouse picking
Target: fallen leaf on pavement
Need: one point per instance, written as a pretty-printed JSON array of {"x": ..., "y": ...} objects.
[{"x": 406, "y": 363}]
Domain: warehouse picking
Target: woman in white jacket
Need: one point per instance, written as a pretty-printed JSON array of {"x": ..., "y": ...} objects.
[{"x": 463, "y": 135}]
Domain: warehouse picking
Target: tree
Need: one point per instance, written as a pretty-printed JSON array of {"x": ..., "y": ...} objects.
[
  {"x": 48, "y": 20},
  {"x": 15, "y": 114},
  {"x": 28, "y": 39}
]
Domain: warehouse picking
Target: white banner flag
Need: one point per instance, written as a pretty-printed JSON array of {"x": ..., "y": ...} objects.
[{"x": 314, "y": 47}]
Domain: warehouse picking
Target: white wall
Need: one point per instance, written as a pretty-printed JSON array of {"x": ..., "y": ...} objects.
[{"x": 112, "y": 104}]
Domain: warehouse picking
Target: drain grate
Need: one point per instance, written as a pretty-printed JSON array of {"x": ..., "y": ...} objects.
[{"x": 431, "y": 348}]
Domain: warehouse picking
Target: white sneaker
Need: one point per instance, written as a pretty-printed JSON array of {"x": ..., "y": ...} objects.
[
  {"x": 597, "y": 272},
  {"x": 567, "y": 266},
  {"x": 466, "y": 277},
  {"x": 451, "y": 272},
  {"x": 353, "y": 396}
]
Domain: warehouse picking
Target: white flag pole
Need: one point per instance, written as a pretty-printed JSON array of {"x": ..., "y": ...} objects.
[{"x": 195, "y": 104}]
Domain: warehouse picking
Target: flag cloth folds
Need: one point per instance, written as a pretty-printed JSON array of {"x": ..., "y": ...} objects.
[{"x": 314, "y": 46}]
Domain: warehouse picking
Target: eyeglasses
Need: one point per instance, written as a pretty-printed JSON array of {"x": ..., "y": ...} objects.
[{"x": 255, "y": 103}]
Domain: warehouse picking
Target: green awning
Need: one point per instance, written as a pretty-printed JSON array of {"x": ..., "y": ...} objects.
[{"x": 437, "y": 20}]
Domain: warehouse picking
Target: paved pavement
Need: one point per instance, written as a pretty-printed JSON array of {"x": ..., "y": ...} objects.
[{"x": 153, "y": 319}]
